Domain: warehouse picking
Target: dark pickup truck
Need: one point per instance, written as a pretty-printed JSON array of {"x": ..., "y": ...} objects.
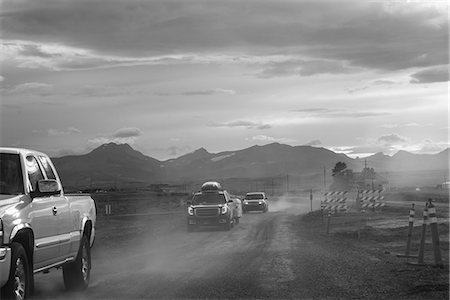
[{"x": 212, "y": 206}]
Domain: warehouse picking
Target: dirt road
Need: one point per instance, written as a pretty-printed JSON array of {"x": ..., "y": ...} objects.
[{"x": 272, "y": 255}]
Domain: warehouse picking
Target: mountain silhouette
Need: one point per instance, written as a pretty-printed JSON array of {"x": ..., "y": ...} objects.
[{"x": 119, "y": 165}]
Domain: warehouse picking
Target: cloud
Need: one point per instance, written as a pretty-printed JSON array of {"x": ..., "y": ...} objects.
[
  {"x": 299, "y": 67},
  {"x": 374, "y": 83},
  {"x": 394, "y": 125},
  {"x": 126, "y": 135},
  {"x": 129, "y": 132},
  {"x": 388, "y": 35},
  {"x": 63, "y": 132},
  {"x": 339, "y": 113},
  {"x": 438, "y": 74},
  {"x": 265, "y": 138},
  {"x": 30, "y": 88},
  {"x": 314, "y": 143},
  {"x": 198, "y": 92},
  {"x": 431, "y": 147},
  {"x": 175, "y": 151},
  {"x": 383, "y": 82},
  {"x": 242, "y": 123},
  {"x": 392, "y": 139}
]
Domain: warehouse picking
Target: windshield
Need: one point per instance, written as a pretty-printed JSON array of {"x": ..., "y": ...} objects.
[
  {"x": 11, "y": 180},
  {"x": 208, "y": 199},
  {"x": 254, "y": 196}
]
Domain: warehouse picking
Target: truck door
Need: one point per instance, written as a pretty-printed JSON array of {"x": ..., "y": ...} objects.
[
  {"x": 43, "y": 219},
  {"x": 64, "y": 221}
]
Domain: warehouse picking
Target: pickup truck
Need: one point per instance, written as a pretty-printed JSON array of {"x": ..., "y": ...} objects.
[
  {"x": 41, "y": 227},
  {"x": 255, "y": 201},
  {"x": 212, "y": 206}
]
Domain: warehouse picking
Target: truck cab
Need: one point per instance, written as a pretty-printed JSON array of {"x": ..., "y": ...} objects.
[
  {"x": 41, "y": 227},
  {"x": 211, "y": 206}
]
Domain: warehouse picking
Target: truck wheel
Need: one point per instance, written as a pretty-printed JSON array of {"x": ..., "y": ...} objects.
[
  {"x": 77, "y": 273},
  {"x": 19, "y": 282},
  {"x": 228, "y": 226}
]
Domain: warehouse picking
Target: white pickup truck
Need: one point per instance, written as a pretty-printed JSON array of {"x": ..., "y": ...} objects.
[{"x": 41, "y": 227}]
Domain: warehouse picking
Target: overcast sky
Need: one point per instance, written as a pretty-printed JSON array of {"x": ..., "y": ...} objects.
[{"x": 169, "y": 77}]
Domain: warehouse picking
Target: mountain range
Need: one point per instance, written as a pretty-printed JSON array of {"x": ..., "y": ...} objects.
[{"x": 119, "y": 164}]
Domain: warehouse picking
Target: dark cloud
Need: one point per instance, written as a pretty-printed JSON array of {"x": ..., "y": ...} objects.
[
  {"x": 128, "y": 132},
  {"x": 391, "y": 139},
  {"x": 36, "y": 51},
  {"x": 438, "y": 74},
  {"x": 368, "y": 34}
]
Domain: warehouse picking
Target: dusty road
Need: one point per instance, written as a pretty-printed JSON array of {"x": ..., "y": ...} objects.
[{"x": 267, "y": 255}]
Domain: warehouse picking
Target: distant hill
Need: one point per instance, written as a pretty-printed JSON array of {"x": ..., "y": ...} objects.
[
  {"x": 113, "y": 165},
  {"x": 108, "y": 165}
]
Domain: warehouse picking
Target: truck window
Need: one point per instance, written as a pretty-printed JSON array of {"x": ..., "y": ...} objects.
[
  {"x": 47, "y": 167},
  {"x": 11, "y": 179},
  {"x": 254, "y": 196},
  {"x": 34, "y": 172},
  {"x": 208, "y": 198}
]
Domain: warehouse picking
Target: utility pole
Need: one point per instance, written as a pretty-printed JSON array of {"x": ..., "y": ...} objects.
[{"x": 287, "y": 184}]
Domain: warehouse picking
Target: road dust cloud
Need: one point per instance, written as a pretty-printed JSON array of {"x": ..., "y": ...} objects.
[{"x": 293, "y": 204}]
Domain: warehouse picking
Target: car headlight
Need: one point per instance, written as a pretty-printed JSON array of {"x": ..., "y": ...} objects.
[
  {"x": 190, "y": 210},
  {"x": 223, "y": 210},
  {"x": 260, "y": 202},
  {"x": 1, "y": 232},
  {"x": 245, "y": 202}
]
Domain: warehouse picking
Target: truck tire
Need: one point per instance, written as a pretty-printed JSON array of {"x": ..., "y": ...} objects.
[
  {"x": 19, "y": 282},
  {"x": 228, "y": 225},
  {"x": 77, "y": 273}
]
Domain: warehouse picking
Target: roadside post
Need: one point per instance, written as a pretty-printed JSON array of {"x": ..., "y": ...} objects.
[
  {"x": 422, "y": 238},
  {"x": 410, "y": 229},
  {"x": 311, "y": 199},
  {"x": 108, "y": 208},
  {"x": 328, "y": 221},
  {"x": 434, "y": 234}
]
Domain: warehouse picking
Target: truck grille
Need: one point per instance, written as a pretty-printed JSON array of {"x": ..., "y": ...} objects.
[{"x": 207, "y": 211}]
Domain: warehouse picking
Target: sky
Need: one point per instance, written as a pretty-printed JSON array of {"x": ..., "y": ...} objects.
[{"x": 168, "y": 77}]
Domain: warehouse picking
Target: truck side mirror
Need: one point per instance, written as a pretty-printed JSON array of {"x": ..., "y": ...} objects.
[{"x": 46, "y": 187}]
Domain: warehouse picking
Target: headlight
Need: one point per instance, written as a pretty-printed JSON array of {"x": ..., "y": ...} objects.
[
  {"x": 260, "y": 202},
  {"x": 245, "y": 202},
  {"x": 223, "y": 210},
  {"x": 190, "y": 211},
  {"x": 1, "y": 232}
]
